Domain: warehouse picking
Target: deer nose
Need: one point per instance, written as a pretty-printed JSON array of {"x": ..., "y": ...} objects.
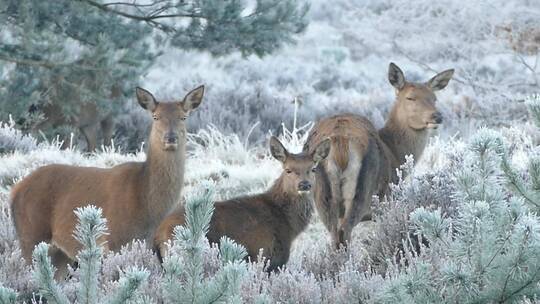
[
  {"x": 171, "y": 138},
  {"x": 437, "y": 117},
  {"x": 304, "y": 186}
]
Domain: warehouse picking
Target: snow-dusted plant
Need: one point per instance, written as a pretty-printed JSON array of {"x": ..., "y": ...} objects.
[
  {"x": 13, "y": 139},
  {"x": 295, "y": 138},
  {"x": 7, "y": 295},
  {"x": 430, "y": 190},
  {"x": 487, "y": 252},
  {"x": 527, "y": 187},
  {"x": 533, "y": 104},
  {"x": 184, "y": 275},
  {"x": 44, "y": 275},
  {"x": 90, "y": 230}
]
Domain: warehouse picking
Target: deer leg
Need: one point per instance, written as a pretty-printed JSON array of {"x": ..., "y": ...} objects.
[
  {"x": 336, "y": 237},
  {"x": 349, "y": 185},
  {"x": 365, "y": 187},
  {"x": 90, "y": 134},
  {"x": 60, "y": 261},
  {"x": 336, "y": 210},
  {"x": 326, "y": 208},
  {"x": 107, "y": 129}
]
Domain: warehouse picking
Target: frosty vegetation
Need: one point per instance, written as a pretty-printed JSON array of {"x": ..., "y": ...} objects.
[
  {"x": 464, "y": 230},
  {"x": 463, "y": 227},
  {"x": 338, "y": 64}
]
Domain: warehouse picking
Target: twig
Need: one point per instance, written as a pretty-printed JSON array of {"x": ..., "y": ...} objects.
[
  {"x": 150, "y": 19},
  {"x": 466, "y": 81},
  {"x": 134, "y": 4},
  {"x": 529, "y": 67},
  {"x": 46, "y": 64},
  {"x": 43, "y": 64}
]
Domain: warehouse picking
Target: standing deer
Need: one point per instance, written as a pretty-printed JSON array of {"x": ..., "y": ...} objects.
[
  {"x": 89, "y": 120},
  {"x": 363, "y": 161},
  {"x": 134, "y": 196},
  {"x": 270, "y": 220}
]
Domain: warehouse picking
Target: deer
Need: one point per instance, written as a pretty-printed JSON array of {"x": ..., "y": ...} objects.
[
  {"x": 271, "y": 220},
  {"x": 363, "y": 161},
  {"x": 88, "y": 120},
  {"x": 134, "y": 196}
]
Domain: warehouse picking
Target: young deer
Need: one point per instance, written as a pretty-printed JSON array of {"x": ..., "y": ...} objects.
[
  {"x": 134, "y": 196},
  {"x": 270, "y": 220},
  {"x": 363, "y": 161}
]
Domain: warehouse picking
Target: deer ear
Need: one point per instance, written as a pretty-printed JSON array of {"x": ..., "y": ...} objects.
[
  {"x": 322, "y": 151},
  {"x": 146, "y": 99},
  {"x": 440, "y": 81},
  {"x": 396, "y": 76},
  {"x": 193, "y": 99},
  {"x": 277, "y": 149}
]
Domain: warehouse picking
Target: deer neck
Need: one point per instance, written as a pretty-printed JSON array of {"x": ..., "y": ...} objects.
[
  {"x": 297, "y": 208},
  {"x": 163, "y": 179},
  {"x": 401, "y": 140}
]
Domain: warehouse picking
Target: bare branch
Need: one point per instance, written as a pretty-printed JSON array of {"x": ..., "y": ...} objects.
[
  {"x": 528, "y": 67},
  {"x": 148, "y": 18},
  {"x": 463, "y": 80},
  {"x": 36, "y": 63},
  {"x": 45, "y": 64},
  {"x": 134, "y": 4}
]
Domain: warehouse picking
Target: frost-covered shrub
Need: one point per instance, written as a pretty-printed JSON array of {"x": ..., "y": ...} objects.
[
  {"x": 7, "y": 295},
  {"x": 89, "y": 231},
  {"x": 14, "y": 273},
  {"x": 293, "y": 286},
  {"x": 184, "y": 278},
  {"x": 12, "y": 139},
  {"x": 391, "y": 215},
  {"x": 134, "y": 255},
  {"x": 487, "y": 251}
]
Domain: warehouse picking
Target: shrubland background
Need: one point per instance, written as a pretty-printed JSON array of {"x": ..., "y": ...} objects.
[{"x": 473, "y": 197}]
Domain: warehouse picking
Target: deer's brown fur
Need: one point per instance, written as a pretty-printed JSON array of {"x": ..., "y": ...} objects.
[
  {"x": 89, "y": 120},
  {"x": 363, "y": 160},
  {"x": 134, "y": 196},
  {"x": 269, "y": 221}
]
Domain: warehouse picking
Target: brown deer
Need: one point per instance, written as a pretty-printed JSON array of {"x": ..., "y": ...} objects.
[
  {"x": 134, "y": 196},
  {"x": 270, "y": 220},
  {"x": 89, "y": 120},
  {"x": 363, "y": 161}
]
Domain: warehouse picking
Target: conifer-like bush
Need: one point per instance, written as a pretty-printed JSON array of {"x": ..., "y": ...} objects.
[
  {"x": 7, "y": 295},
  {"x": 184, "y": 275},
  {"x": 488, "y": 250},
  {"x": 89, "y": 231}
]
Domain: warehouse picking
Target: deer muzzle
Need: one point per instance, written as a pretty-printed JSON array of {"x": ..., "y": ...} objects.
[
  {"x": 304, "y": 187},
  {"x": 435, "y": 120},
  {"x": 170, "y": 141}
]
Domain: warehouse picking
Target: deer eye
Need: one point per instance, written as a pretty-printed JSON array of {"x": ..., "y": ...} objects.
[
  {"x": 288, "y": 171},
  {"x": 155, "y": 117},
  {"x": 314, "y": 169},
  {"x": 183, "y": 118},
  {"x": 410, "y": 98}
]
